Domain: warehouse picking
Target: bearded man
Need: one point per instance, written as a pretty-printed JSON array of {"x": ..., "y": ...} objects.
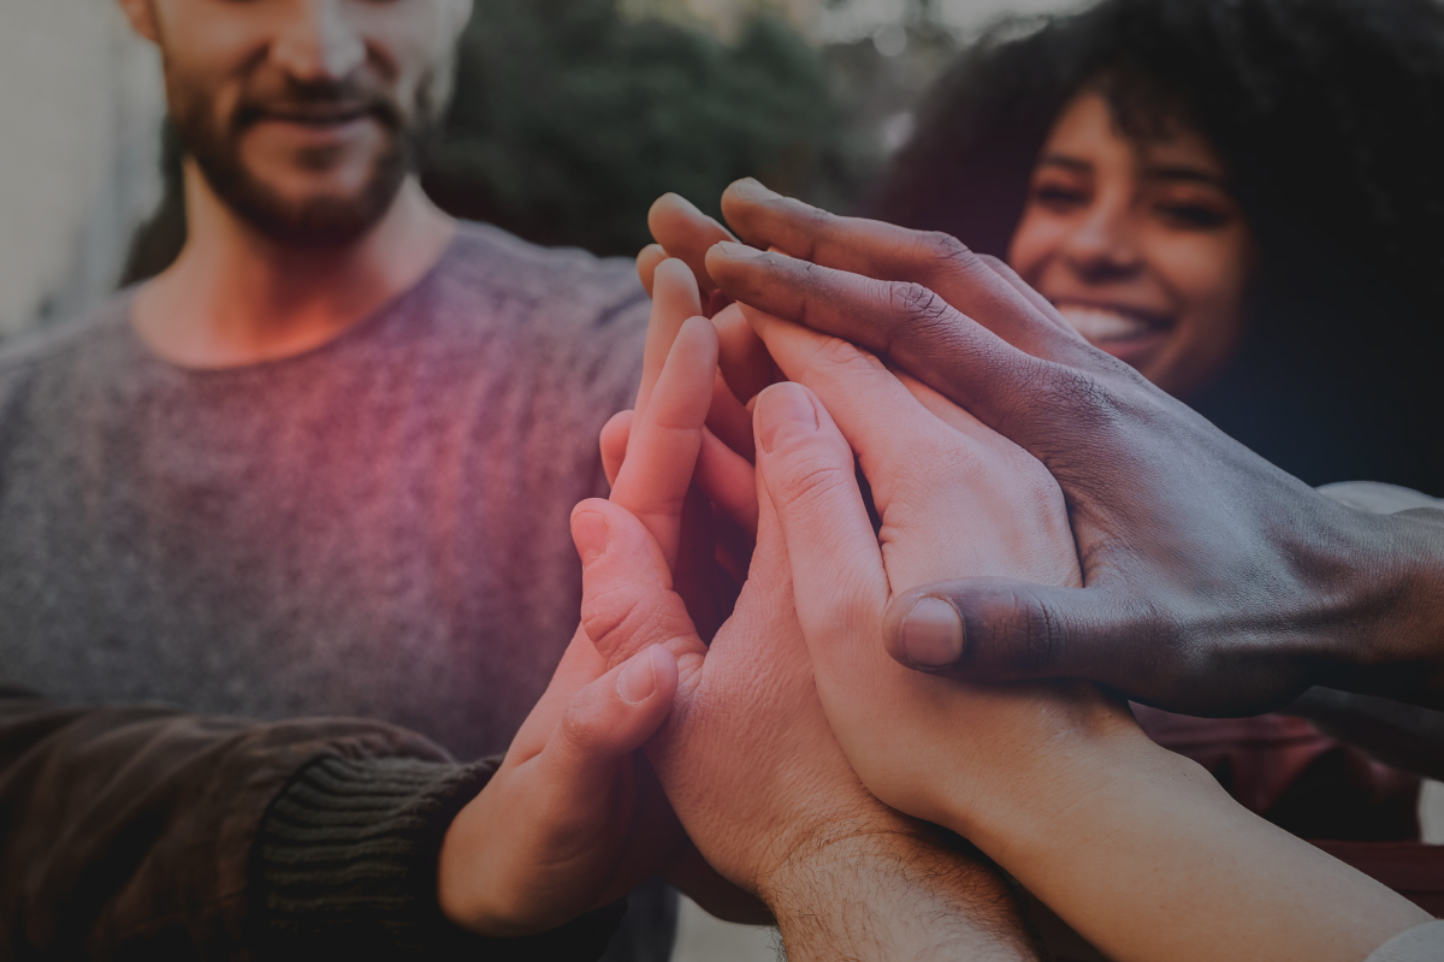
[{"x": 321, "y": 466}]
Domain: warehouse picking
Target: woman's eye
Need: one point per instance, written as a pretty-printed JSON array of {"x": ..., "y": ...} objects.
[
  {"x": 1059, "y": 196},
  {"x": 1194, "y": 216}
]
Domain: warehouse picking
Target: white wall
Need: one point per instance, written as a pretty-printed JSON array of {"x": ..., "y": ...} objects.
[{"x": 80, "y": 108}]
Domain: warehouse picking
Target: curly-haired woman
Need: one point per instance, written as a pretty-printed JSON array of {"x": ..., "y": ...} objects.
[{"x": 1242, "y": 198}]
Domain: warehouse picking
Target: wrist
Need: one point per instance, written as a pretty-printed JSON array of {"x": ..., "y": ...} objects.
[
  {"x": 1082, "y": 790},
  {"x": 1144, "y": 858},
  {"x": 1053, "y": 743},
  {"x": 893, "y": 894}
]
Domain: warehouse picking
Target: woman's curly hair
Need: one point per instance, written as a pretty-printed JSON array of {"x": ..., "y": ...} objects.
[{"x": 1329, "y": 117}]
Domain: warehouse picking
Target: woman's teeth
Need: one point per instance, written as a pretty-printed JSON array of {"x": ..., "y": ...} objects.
[{"x": 1098, "y": 324}]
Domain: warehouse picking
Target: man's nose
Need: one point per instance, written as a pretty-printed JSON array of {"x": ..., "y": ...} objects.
[
  {"x": 318, "y": 41},
  {"x": 1104, "y": 244}
]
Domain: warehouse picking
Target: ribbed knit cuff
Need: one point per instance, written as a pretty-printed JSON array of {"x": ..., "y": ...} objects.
[{"x": 345, "y": 862}]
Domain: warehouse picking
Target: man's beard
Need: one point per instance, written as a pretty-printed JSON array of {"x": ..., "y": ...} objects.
[{"x": 326, "y": 220}]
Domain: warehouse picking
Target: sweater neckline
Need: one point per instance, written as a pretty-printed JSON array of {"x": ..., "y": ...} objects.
[{"x": 362, "y": 329}]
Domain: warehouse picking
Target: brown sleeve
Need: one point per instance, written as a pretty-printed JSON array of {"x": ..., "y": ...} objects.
[{"x": 144, "y": 833}]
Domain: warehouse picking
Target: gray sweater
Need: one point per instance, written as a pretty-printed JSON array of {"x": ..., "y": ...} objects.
[{"x": 377, "y": 527}]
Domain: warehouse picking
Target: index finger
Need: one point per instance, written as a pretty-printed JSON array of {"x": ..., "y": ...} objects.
[
  {"x": 969, "y": 282},
  {"x": 666, "y": 436},
  {"x": 674, "y": 299},
  {"x": 686, "y": 233},
  {"x": 904, "y": 322}
]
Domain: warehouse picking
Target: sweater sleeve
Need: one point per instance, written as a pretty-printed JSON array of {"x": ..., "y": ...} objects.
[
  {"x": 143, "y": 833},
  {"x": 346, "y": 861}
]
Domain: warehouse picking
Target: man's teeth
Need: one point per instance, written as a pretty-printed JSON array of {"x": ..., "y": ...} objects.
[{"x": 1098, "y": 324}]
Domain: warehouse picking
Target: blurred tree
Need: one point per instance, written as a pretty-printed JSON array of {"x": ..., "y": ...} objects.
[{"x": 569, "y": 119}]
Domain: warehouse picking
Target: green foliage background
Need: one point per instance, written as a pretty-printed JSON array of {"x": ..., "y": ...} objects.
[{"x": 569, "y": 119}]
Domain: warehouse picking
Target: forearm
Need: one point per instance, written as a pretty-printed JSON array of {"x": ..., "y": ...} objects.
[
  {"x": 895, "y": 898},
  {"x": 1145, "y": 856}
]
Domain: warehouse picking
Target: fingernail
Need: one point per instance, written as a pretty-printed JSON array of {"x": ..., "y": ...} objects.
[
  {"x": 749, "y": 188},
  {"x": 933, "y": 634},
  {"x": 638, "y": 679},
  {"x": 589, "y": 531},
  {"x": 786, "y": 414},
  {"x": 682, "y": 200},
  {"x": 738, "y": 251}
]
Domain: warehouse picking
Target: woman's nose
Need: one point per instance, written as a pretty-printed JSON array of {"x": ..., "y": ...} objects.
[{"x": 1103, "y": 246}]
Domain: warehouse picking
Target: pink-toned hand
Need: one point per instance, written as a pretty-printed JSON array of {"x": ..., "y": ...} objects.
[
  {"x": 746, "y": 757},
  {"x": 574, "y": 818}
]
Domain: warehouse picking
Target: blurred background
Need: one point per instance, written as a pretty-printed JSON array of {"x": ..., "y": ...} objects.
[{"x": 570, "y": 117}]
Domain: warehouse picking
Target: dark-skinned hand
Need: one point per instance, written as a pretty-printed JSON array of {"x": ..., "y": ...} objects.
[{"x": 1214, "y": 583}]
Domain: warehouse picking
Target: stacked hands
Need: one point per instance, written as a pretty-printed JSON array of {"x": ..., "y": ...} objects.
[{"x": 739, "y": 708}]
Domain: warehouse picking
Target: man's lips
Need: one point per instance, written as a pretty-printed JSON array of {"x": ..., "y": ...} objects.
[
  {"x": 316, "y": 129},
  {"x": 315, "y": 118}
]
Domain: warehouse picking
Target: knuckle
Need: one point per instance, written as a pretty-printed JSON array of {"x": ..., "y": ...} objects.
[
  {"x": 1045, "y": 645},
  {"x": 835, "y": 352},
  {"x": 834, "y": 359},
  {"x": 945, "y": 252},
  {"x": 810, "y": 224},
  {"x": 1028, "y": 638},
  {"x": 577, "y": 728},
  {"x": 621, "y": 620},
  {"x": 1057, "y": 405},
  {"x": 929, "y": 322},
  {"x": 814, "y": 217},
  {"x": 809, "y": 479},
  {"x": 1028, "y": 480},
  {"x": 853, "y": 606},
  {"x": 995, "y": 264},
  {"x": 1081, "y": 394},
  {"x": 918, "y": 303}
]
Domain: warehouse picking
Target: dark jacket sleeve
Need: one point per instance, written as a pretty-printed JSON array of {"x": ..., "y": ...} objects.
[{"x": 143, "y": 833}]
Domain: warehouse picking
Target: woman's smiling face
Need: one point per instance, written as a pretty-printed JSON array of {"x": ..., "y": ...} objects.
[{"x": 1139, "y": 244}]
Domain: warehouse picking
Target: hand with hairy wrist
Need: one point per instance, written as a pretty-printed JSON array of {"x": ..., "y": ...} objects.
[
  {"x": 888, "y": 897},
  {"x": 1136, "y": 848},
  {"x": 759, "y": 782},
  {"x": 746, "y": 757},
  {"x": 1213, "y": 583}
]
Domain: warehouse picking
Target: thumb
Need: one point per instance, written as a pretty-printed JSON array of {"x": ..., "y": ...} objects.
[
  {"x": 608, "y": 718},
  {"x": 628, "y": 601},
  {"x": 997, "y": 629},
  {"x": 807, "y": 470}
]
